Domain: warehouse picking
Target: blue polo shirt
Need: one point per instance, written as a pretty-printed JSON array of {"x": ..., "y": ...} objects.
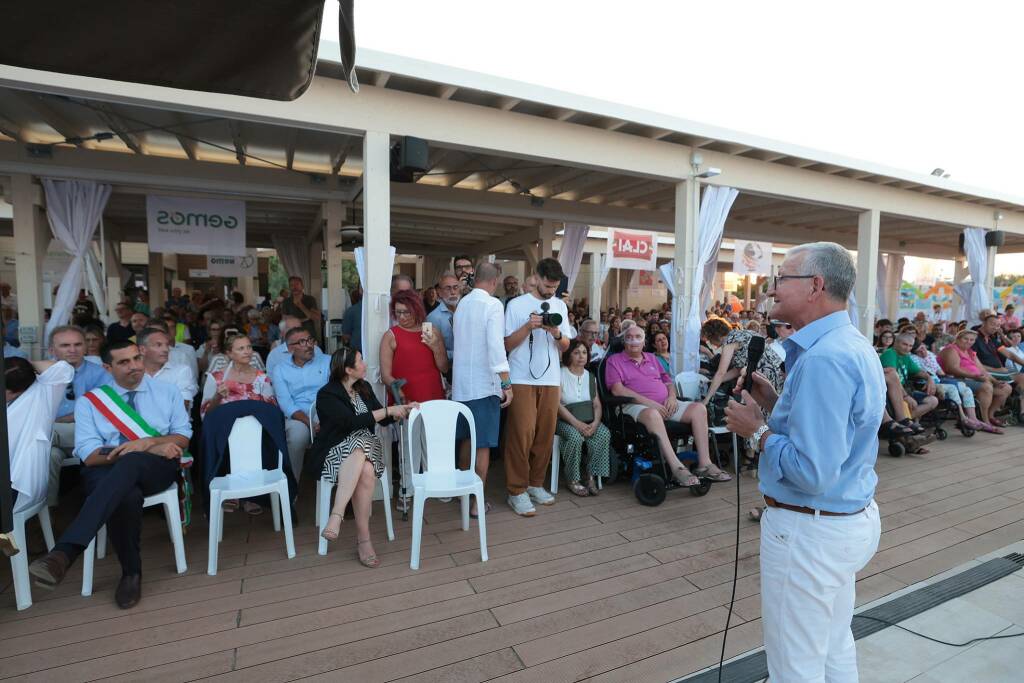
[{"x": 88, "y": 376}]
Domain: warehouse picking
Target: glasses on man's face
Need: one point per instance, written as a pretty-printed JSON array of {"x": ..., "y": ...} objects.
[
  {"x": 305, "y": 341},
  {"x": 779, "y": 278},
  {"x": 463, "y": 267}
]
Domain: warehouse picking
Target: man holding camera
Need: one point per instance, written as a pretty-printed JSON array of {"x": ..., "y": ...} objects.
[
  {"x": 536, "y": 334},
  {"x": 464, "y": 272}
]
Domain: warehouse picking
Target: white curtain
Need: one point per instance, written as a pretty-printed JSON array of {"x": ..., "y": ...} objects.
[
  {"x": 714, "y": 209},
  {"x": 294, "y": 255},
  {"x": 570, "y": 256},
  {"x": 372, "y": 300},
  {"x": 73, "y": 208},
  {"x": 853, "y": 309},
  {"x": 977, "y": 263},
  {"x": 598, "y": 275}
]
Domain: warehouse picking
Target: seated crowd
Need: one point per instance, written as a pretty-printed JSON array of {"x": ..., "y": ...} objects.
[{"x": 126, "y": 400}]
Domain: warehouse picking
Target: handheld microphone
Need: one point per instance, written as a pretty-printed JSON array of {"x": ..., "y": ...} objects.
[
  {"x": 755, "y": 350},
  {"x": 396, "y": 388}
]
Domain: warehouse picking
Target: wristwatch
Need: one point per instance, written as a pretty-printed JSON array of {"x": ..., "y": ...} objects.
[{"x": 755, "y": 439}]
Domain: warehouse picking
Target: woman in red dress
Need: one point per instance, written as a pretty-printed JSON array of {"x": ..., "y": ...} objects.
[{"x": 409, "y": 352}]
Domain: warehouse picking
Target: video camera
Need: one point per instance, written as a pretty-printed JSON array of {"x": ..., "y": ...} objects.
[{"x": 548, "y": 319}]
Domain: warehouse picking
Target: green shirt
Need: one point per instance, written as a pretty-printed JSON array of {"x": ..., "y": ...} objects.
[{"x": 906, "y": 366}]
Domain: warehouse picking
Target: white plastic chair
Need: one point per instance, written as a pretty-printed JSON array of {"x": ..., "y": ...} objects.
[
  {"x": 440, "y": 479},
  {"x": 19, "y": 562},
  {"x": 248, "y": 479},
  {"x": 324, "y": 491},
  {"x": 98, "y": 546}
]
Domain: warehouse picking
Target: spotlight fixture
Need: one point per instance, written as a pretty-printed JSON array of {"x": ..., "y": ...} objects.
[
  {"x": 940, "y": 173},
  {"x": 710, "y": 172}
]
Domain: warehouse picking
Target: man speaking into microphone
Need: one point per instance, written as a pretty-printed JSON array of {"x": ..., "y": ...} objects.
[{"x": 816, "y": 469}]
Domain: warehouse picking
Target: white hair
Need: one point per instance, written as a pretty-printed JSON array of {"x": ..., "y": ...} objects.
[{"x": 832, "y": 262}]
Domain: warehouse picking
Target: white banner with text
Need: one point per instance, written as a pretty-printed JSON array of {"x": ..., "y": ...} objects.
[
  {"x": 184, "y": 225},
  {"x": 632, "y": 249},
  {"x": 233, "y": 266},
  {"x": 752, "y": 258}
]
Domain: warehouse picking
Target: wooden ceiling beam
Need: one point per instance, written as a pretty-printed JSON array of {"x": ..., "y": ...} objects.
[{"x": 117, "y": 125}]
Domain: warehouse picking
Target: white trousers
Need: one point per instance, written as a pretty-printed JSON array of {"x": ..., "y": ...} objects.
[
  {"x": 808, "y": 572},
  {"x": 297, "y": 435}
]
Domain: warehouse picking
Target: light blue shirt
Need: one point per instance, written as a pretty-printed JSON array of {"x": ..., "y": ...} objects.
[
  {"x": 88, "y": 376},
  {"x": 824, "y": 442},
  {"x": 13, "y": 351},
  {"x": 443, "y": 320},
  {"x": 158, "y": 403},
  {"x": 279, "y": 353},
  {"x": 296, "y": 387}
]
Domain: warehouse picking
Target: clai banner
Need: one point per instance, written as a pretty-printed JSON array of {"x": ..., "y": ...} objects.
[
  {"x": 632, "y": 249},
  {"x": 183, "y": 225},
  {"x": 233, "y": 266},
  {"x": 752, "y": 258}
]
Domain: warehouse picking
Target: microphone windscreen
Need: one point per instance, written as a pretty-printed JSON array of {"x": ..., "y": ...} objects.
[{"x": 755, "y": 350}]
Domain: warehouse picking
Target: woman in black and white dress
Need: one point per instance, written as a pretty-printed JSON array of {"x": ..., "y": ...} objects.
[{"x": 347, "y": 450}]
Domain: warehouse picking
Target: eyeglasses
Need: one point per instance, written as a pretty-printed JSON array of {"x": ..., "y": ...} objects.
[
  {"x": 464, "y": 266},
  {"x": 778, "y": 278},
  {"x": 305, "y": 341},
  {"x": 402, "y": 313}
]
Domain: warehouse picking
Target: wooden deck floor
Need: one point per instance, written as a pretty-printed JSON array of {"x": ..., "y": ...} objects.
[{"x": 595, "y": 589}]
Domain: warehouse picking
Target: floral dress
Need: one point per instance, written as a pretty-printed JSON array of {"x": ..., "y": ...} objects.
[
  {"x": 260, "y": 389},
  {"x": 770, "y": 366}
]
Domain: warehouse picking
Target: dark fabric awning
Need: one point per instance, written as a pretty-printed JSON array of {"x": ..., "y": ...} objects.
[{"x": 257, "y": 49}]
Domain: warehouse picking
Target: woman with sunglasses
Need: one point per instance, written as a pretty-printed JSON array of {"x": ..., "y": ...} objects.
[
  {"x": 352, "y": 455},
  {"x": 410, "y": 352}
]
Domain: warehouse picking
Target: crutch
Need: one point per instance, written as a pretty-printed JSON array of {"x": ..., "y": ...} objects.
[{"x": 404, "y": 455}]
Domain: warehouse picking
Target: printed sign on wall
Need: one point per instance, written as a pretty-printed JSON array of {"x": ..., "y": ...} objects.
[
  {"x": 632, "y": 249},
  {"x": 752, "y": 258},
  {"x": 184, "y": 225},
  {"x": 233, "y": 266}
]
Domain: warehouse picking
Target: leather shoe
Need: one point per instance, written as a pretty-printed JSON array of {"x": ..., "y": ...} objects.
[
  {"x": 129, "y": 591},
  {"x": 49, "y": 569}
]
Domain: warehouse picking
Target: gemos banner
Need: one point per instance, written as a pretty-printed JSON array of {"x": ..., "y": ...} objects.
[
  {"x": 632, "y": 249},
  {"x": 183, "y": 225},
  {"x": 752, "y": 258},
  {"x": 233, "y": 266}
]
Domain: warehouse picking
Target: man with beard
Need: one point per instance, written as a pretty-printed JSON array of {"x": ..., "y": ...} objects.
[{"x": 449, "y": 290}]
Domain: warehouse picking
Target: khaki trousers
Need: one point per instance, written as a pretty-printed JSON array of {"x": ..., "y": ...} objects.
[{"x": 529, "y": 435}]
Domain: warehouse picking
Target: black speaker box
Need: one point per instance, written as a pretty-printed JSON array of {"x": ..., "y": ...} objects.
[{"x": 995, "y": 238}]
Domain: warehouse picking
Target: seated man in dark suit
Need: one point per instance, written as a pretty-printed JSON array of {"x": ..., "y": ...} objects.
[{"x": 123, "y": 465}]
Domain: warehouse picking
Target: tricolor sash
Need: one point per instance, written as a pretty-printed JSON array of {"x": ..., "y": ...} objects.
[{"x": 132, "y": 426}]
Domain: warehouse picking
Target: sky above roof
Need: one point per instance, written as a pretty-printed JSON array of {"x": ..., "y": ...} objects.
[{"x": 914, "y": 85}]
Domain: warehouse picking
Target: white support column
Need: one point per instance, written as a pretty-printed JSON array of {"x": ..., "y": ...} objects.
[
  {"x": 990, "y": 273},
  {"x": 959, "y": 275},
  {"x": 334, "y": 218},
  {"x": 377, "y": 221},
  {"x": 419, "y": 272},
  {"x": 155, "y": 282},
  {"x": 893, "y": 280},
  {"x": 31, "y": 240},
  {"x": 115, "y": 287},
  {"x": 867, "y": 269},
  {"x": 685, "y": 260},
  {"x": 595, "y": 284},
  {"x": 314, "y": 283},
  {"x": 247, "y": 288}
]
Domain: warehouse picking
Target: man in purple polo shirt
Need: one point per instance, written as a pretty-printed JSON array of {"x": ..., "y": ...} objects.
[{"x": 639, "y": 376}]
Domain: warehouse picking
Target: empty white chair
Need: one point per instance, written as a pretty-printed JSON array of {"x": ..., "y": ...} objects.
[
  {"x": 248, "y": 479},
  {"x": 98, "y": 546},
  {"x": 19, "y": 562},
  {"x": 440, "y": 479}
]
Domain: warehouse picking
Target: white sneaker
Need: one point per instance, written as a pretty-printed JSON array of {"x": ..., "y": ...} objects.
[
  {"x": 540, "y": 496},
  {"x": 521, "y": 505}
]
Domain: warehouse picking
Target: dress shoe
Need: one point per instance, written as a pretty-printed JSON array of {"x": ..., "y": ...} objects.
[
  {"x": 129, "y": 591},
  {"x": 49, "y": 569}
]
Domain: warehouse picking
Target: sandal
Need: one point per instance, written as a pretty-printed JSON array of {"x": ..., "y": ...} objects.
[
  {"x": 996, "y": 422},
  {"x": 579, "y": 489},
  {"x": 229, "y": 505},
  {"x": 756, "y": 513},
  {"x": 370, "y": 561},
  {"x": 914, "y": 426},
  {"x": 991, "y": 429},
  {"x": 592, "y": 487},
  {"x": 893, "y": 429},
  {"x": 684, "y": 477},
  {"x": 922, "y": 451},
  {"x": 329, "y": 534},
  {"x": 712, "y": 473},
  {"x": 252, "y": 508},
  {"x": 476, "y": 515}
]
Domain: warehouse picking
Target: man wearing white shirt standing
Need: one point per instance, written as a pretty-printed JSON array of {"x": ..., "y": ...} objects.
[
  {"x": 155, "y": 345},
  {"x": 480, "y": 369},
  {"x": 534, "y": 349}
]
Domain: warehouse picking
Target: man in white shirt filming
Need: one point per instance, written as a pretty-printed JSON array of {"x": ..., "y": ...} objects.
[
  {"x": 480, "y": 371},
  {"x": 536, "y": 334}
]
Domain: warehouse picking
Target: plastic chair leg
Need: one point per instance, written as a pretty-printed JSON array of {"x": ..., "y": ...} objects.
[
  {"x": 88, "y": 561},
  {"x": 598, "y": 483},
  {"x": 323, "y": 511},
  {"x": 216, "y": 524},
  {"x": 44, "y": 522},
  {"x": 275, "y": 511},
  {"x": 417, "y": 528},
  {"x": 385, "y": 487},
  {"x": 481, "y": 510},
  {"x": 286, "y": 512},
  {"x": 554, "y": 465},
  {"x": 19, "y": 567},
  {"x": 101, "y": 542},
  {"x": 177, "y": 538},
  {"x": 465, "y": 511}
]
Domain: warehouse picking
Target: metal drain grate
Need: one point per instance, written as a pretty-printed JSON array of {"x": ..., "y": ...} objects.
[{"x": 754, "y": 667}]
